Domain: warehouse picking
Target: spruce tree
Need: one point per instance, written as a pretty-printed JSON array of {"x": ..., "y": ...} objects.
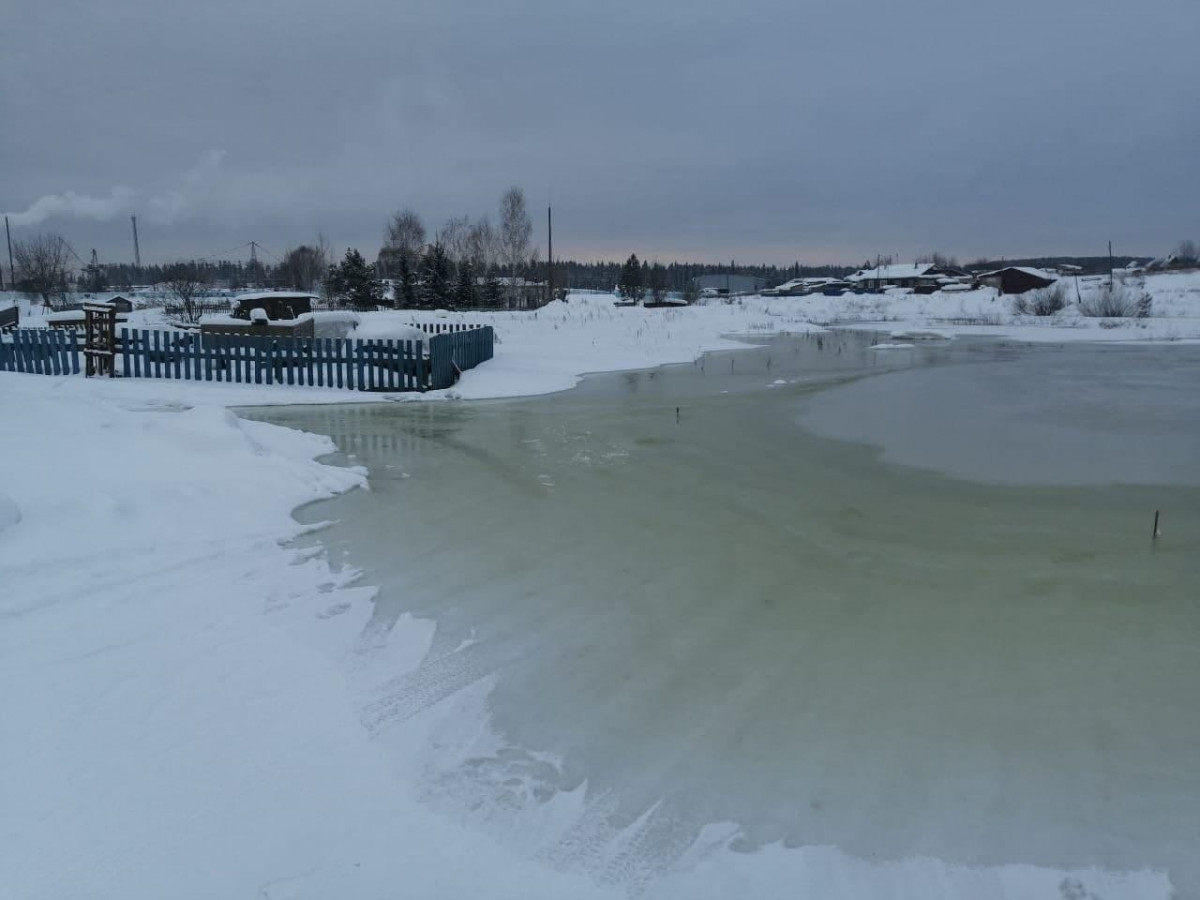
[
  {"x": 407, "y": 287},
  {"x": 353, "y": 283},
  {"x": 465, "y": 292},
  {"x": 493, "y": 291},
  {"x": 631, "y": 286},
  {"x": 436, "y": 287}
]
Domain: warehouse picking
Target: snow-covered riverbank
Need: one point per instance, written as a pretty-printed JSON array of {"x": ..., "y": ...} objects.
[{"x": 175, "y": 712}]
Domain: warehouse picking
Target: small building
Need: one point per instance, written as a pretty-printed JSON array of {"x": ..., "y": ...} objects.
[
  {"x": 120, "y": 304},
  {"x": 723, "y": 285},
  {"x": 219, "y": 323},
  {"x": 1015, "y": 279},
  {"x": 277, "y": 305}
]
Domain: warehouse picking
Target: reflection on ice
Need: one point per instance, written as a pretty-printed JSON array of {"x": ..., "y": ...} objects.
[{"x": 665, "y": 640}]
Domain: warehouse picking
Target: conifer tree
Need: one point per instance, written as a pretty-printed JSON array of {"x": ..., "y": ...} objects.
[
  {"x": 436, "y": 283},
  {"x": 493, "y": 291},
  {"x": 465, "y": 292},
  {"x": 407, "y": 288},
  {"x": 631, "y": 286},
  {"x": 352, "y": 282}
]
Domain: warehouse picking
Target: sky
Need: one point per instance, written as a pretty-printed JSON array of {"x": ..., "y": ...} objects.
[{"x": 758, "y": 131}]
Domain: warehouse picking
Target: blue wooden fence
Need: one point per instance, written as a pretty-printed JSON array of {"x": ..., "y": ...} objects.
[
  {"x": 381, "y": 365},
  {"x": 452, "y": 353},
  {"x": 363, "y": 365},
  {"x": 39, "y": 351}
]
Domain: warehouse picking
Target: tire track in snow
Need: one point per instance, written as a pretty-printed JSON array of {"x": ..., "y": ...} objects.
[{"x": 429, "y": 684}]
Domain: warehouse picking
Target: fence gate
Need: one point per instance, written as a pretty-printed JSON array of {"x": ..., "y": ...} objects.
[{"x": 100, "y": 338}]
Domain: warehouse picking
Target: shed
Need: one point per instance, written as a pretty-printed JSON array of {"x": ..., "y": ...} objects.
[
  {"x": 218, "y": 323},
  {"x": 1016, "y": 279},
  {"x": 120, "y": 304},
  {"x": 277, "y": 304}
]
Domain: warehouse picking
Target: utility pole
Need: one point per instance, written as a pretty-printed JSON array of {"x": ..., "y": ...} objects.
[
  {"x": 137, "y": 250},
  {"x": 1110, "y": 267},
  {"x": 12, "y": 272},
  {"x": 550, "y": 251},
  {"x": 254, "y": 261}
]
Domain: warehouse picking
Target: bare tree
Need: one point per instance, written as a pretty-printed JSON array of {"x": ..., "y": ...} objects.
[
  {"x": 186, "y": 282},
  {"x": 306, "y": 266},
  {"x": 515, "y": 230},
  {"x": 405, "y": 237},
  {"x": 1186, "y": 251},
  {"x": 42, "y": 264},
  {"x": 453, "y": 237},
  {"x": 483, "y": 246}
]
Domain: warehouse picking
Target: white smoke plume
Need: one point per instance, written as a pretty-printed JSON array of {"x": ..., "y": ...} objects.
[
  {"x": 163, "y": 206},
  {"x": 75, "y": 206}
]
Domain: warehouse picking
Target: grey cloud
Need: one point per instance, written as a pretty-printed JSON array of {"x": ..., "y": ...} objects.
[{"x": 761, "y": 130}]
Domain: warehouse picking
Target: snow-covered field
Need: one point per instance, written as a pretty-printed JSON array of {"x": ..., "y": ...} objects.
[{"x": 176, "y": 718}]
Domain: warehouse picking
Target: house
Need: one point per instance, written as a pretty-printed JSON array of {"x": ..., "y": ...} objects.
[
  {"x": 903, "y": 275},
  {"x": 120, "y": 304},
  {"x": 1015, "y": 279}
]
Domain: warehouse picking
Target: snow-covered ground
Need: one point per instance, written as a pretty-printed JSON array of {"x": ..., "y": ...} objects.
[
  {"x": 170, "y": 728},
  {"x": 176, "y": 719},
  {"x": 552, "y": 348}
]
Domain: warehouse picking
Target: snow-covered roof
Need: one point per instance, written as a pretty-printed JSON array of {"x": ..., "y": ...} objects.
[
  {"x": 1036, "y": 273},
  {"x": 275, "y": 295},
  {"x": 892, "y": 272}
]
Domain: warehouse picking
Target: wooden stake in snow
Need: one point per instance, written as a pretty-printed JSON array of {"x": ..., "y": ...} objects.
[{"x": 1154, "y": 536}]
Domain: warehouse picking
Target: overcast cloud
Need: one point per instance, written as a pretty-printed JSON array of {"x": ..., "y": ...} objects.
[{"x": 761, "y": 131}]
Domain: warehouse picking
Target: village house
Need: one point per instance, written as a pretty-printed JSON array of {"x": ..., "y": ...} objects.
[
  {"x": 904, "y": 275},
  {"x": 1015, "y": 279}
]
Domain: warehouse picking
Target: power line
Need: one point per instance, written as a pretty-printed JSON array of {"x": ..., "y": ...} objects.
[
  {"x": 268, "y": 252},
  {"x": 222, "y": 252}
]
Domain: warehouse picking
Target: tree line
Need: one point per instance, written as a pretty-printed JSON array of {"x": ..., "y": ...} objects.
[{"x": 465, "y": 263}]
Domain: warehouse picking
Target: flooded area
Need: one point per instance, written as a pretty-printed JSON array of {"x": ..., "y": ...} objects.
[{"x": 904, "y": 603}]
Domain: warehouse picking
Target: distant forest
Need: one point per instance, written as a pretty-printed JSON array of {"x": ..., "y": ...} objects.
[{"x": 595, "y": 276}]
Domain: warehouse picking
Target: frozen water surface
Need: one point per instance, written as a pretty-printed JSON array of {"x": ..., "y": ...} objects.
[{"x": 667, "y": 613}]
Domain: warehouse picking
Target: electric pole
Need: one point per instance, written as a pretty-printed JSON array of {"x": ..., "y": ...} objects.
[
  {"x": 12, "y": 272},
  {"x": 550, "y": 250},
  {"x": 137, "y": 251},
  {"x": 254, "y": 262}
]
